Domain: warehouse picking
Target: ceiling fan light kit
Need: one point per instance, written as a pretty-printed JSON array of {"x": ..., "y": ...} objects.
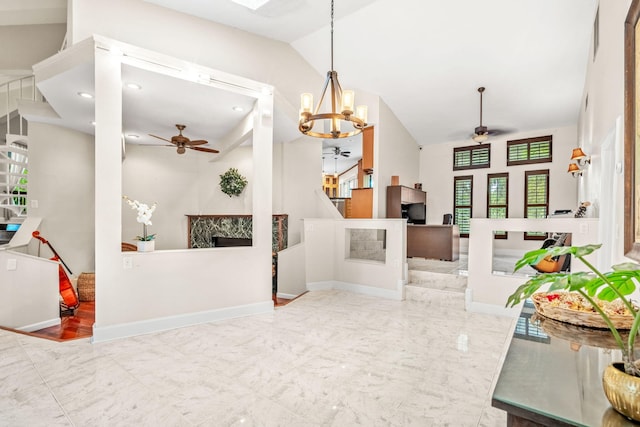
[{"x": 342, "y": 107}]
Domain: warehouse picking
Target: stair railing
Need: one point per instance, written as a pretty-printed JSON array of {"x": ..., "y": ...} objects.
[{"x": 14, "y": 90}]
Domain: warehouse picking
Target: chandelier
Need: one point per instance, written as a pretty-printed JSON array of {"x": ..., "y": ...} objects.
[{"x": 342, "y": 103}]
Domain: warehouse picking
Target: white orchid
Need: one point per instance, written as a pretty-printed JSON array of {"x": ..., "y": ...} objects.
[{"x": 144, "y": 216}]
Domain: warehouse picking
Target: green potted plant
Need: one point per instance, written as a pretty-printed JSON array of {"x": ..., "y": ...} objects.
[
  {"x": 232, "y": 183},
  {"x": 598, "y": 289}
]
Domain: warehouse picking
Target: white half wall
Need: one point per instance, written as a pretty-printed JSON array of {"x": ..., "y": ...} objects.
[
  {"x": 30, "y": 292},
  {"x": 488, "y": 292},
  {"x": 329, "y": 266}
]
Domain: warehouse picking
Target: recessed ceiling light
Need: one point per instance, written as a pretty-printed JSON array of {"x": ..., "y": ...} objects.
[
  {"x": 93, "y": 123},
  {"x": 85, "y": 95},
  {"x": 133, "y": 86},
  {"x": 133, "y": 136},
  {"x": 251, "y": 4},
  {"x": 237, "y": 108}
]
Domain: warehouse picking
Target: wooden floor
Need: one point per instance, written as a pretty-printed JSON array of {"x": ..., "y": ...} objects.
[{"x": 80, "y": 325}]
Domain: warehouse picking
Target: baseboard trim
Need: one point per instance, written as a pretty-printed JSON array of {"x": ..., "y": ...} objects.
[
  {"x": 40, "y": 325},
  {"x": 357, "y": 289},
  {"x": 286, "y": 296},
  {"x": 484, "y": 308},
  {"x": 113, "y": 332}
]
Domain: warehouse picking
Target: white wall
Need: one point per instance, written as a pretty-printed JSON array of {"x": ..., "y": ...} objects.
[
  {"x": 598, "y": 122},
  {"x": 61, "y": 181},
  {"x": 297, "y": 173},
  {"x": 398, "y": 154},
  {"x": 24, "y": 45},
  {"x": 436, "y": 175}
]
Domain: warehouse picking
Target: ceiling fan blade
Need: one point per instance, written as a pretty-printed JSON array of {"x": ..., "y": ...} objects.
[
  {"x": 345, "y": 154},
  {"x": 159, "y": 137},
  {"x": 206, "y": 150},
  {"x": 197, "y": 142}
]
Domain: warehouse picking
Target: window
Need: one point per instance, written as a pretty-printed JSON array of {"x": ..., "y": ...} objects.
[
  {"x": 498, "y": 199},
  {"x": 463, "y": 202},
  {"x": 472, "y": 157},
  {"x": 536, "y": 205},
  {"x": 529, "y": 151}
]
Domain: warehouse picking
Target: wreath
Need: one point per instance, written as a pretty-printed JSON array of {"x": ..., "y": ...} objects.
[{"x": 232, "y": 183}]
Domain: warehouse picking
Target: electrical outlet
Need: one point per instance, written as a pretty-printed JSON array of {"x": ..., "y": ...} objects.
[
  {"x": 12, "y": 264},
  {"x": 34, "y": 204},
  {"x": 127, "y": 262},
  {"x": 584, "y": 228}
]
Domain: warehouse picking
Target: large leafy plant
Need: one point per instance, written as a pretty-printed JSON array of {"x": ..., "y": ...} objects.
[{"x": 593, "y": 285}]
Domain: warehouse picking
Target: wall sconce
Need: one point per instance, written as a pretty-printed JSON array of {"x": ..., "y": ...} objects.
[
  {"x": 574, "y": 170},
  {"x": 579, "y": 156}
]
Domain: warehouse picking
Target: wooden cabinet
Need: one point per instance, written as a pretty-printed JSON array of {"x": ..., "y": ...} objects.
[
  {"x": 367, "y": 150},
  {"x": 400, "y": 197},
  {"x": 362, "y": 203}
]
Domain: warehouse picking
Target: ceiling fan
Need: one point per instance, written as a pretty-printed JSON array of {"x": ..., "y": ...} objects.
[
  {"x": 481, "y": 133},
  {"x": 336, "y": 151},
  {"x": 182, "y": 142}
]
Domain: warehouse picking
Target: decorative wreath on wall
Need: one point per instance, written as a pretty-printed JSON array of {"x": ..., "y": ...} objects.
[{"x": 232, "y": 183}]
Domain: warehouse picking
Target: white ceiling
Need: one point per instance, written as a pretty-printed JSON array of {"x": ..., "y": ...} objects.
[{"x": 425, "y": 58}]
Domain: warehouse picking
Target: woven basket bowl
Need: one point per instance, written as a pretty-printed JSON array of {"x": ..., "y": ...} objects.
[{"x": 575, "y": 317}]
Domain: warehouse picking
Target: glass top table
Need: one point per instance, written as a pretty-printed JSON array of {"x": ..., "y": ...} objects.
[{"x": 552, "y": 375}]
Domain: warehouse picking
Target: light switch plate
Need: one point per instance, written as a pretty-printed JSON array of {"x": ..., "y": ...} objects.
[
  {"x": 12, "y": 264},
  {"x": 127, "y": 262}
]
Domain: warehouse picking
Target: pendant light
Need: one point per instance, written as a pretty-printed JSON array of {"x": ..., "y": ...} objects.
[{"x": 342, "y": 107}]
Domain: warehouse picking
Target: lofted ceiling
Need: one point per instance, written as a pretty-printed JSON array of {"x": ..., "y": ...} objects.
[{"x": 426, "y": 58}]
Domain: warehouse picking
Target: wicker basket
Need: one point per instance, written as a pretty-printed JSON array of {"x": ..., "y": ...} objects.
[
  {"x": 575, "y": 317},
  {"x": 87, "y": 287}
]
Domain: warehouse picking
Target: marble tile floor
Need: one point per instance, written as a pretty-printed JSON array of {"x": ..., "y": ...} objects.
[{"x": 328, "y": 358}]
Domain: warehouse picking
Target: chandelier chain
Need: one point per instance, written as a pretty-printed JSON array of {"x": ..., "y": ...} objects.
[{"x": 331, "y": 35}]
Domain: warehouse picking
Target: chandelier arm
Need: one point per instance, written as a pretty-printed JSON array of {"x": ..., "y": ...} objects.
[{"x": 324, "y": 92}]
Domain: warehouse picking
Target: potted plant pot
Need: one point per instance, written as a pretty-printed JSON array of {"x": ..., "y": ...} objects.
[
  {"x": 146, "y": 245},
  {"x": 622, "y": 390}
]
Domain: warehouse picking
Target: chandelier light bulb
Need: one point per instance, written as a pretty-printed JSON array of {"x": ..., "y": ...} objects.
[
  {"x": 306, "y": 102},
  {"x": 348, "y": 97},
  {"x": 361, "y": 112}
]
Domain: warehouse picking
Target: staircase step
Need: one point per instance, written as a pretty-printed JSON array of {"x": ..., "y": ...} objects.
[
  {"x": 441, "y": 281},
  {"x": 434, "y": 296}
]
